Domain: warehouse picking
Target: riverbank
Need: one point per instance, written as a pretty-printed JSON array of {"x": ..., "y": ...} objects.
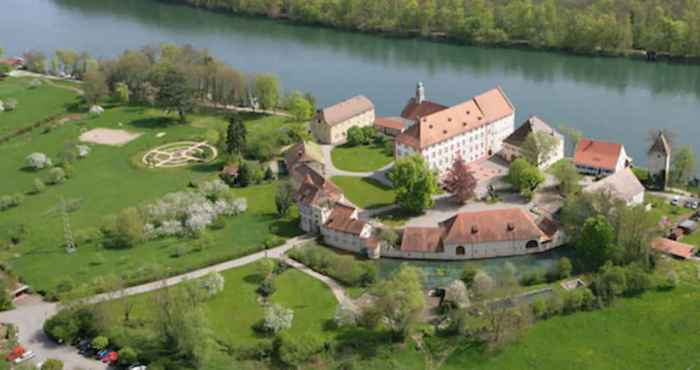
[{"x": 627, "y": 47}]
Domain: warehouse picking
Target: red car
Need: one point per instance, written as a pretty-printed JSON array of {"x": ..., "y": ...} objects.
[{"x": 111, "y": 358}]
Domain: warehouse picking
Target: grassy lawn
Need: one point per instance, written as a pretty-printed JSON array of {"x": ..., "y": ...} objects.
[
  {"x": 654, "y": 331},
  {"x": 662, "y": 207},
  {"x": 234, "y": 311},
  {"x": 111, "y": 178},
  {"x": 33, "y": 104},
  {"x": 363, "y": 158},
  {"x": 365, "y": 192}
]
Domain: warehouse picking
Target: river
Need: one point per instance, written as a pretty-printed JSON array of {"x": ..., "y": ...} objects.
[{"x": 614, "y": 99}]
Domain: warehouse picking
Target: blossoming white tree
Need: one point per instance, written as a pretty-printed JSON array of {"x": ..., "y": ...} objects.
[
  {"x": 278, "y": 318},
  {"x": 38, "y": 161}
]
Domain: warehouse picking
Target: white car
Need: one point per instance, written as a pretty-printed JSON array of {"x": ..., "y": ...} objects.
[
  {"x": 676, "y": 199},
  {"x": 27, "y": 355},
  {"x": 137, "y": 367}
]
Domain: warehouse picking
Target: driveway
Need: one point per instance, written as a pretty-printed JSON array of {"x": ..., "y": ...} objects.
[
  {"x": 31, "y": 312},
  {"x": 445, "y": 208}
]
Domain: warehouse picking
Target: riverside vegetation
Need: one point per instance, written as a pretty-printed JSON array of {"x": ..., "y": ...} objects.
[{"x": 607, "y": 26}]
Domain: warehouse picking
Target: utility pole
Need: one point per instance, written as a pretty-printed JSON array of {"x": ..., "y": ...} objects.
[{"x": 67, "y": 231}]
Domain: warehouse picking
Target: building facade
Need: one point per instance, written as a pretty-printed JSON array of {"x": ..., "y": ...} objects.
[
  {"x": 331, "y": 124},
  {"x": 474, "y": 129},
  {"x": 344, "y": 230},
  {"x": 659, "y": 160},
  {"x": 622, "y": 185},
  {"x": 513, "y": 144},
  {"x": 316, "y": 198},
  {"x": 600, "y": 158}
]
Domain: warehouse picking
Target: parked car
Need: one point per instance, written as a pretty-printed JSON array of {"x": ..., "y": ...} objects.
[
  {"x": 675, "y": 200},
  {"x": 137, "y": 367},
  {"x": 111, "y": 358},
  {"x": 27, "y": 355},
  {"x": 692, "y": 204}
]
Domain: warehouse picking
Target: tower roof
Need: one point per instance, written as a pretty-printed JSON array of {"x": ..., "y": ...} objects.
[{"x": 660, "y": 145}]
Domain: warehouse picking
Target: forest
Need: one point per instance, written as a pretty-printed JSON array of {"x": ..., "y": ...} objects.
[{"x": 579, "y": 26}]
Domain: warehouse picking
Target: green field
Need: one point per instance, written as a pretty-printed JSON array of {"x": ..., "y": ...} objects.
[
  {"x": 112, "y": 178},
  {"x": 363, "y": 158},
  {"x": 232, "y": 313},
  {"x": 365, "y": 192},
  {"x": 33, "y": 104}
]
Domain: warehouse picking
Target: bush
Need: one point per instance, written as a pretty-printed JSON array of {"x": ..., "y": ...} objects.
[
  {"x": 296, "y": 351},
  {"x": 38, "y": 161},
  {"x": 671, "y": 280},
  {"x": 10, "y": 201},
  {"x": 637, "y": 279},
  {"x": 563, "y": 268},
  {"x": 468, "y": 274},
  {"x": 126, "y": 230},
  {"x": 267, "y": 288},
  {"x": 128, "y": 356},
  {"x": 56, "y": 176},
  {"x": 69, "y": 324},
  {"x": 344, "y": 268},
  {"x": 99, "y": 343},
  {"x": 277, "y": 318},
  {"x": 533, "y": 277},
  {"x": 38, "y": 186},
  {"x": 52, "y": 364},
  {"x": 573, "y": 300}
]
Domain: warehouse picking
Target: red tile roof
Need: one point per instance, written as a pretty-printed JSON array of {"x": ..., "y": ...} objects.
[
  {"x": 342, "y": 220},
  {"x": 316, "y": 191},
  {"x": 479, "y": 111},
  {"x": 388, "y": 122},
  {"x": 597, "y": 154},
  {"x": 673, "y": 248},
  {"x": 346, "y": 109},
  {"x": 421, "y": 239},
  {"x": 413, "y": 110},
  {"x": 489, "y": 226}
]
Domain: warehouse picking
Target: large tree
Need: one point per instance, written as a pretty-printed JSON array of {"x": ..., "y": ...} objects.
[
  {"x": 95, "y": 86},
  {"x": 567, "y": 175},
  {"x": 297, "y": 105},
  {"x": 414, "y": 182},
  {"x": 175, "y": 93},
  {"x": 399, "y": 301},
  {"x": 236, "y": 135},
  {"x": 524, "y": 176},
  {"x": 460, "y": 181},
  {"x": 538, "y": 147},
  {"x": 35, "y": 61},
  {"x": 267, "y": 90},
  {"x": 682, "y": 166},
  {"x": 595, "y": 245}
]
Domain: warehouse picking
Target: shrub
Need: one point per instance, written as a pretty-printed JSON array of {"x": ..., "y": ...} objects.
[
  {"x": 127, "y": 230},
  {"x": 56, "y": 176},
  {"x": 539, "y": 308},
  {"x": 555, "y": 304},
  {"x": 296, "y": 351},
  {"x": 69, "y": 324},
  {"x": 38, "y": 161},
  {"x": 266, "y": 288},
  {"x": 671, "y": 280},
  {"x": 277, "y": 318},
  {"x": 213, "y": 284},
  {"x": 38, "y": 186},
  {"x": 468, "y": 274},
  {"x": 87, "y": 235},
  {"x": 5, "y": 299},
  {"x": 52, "y": 364},
  {"x": 637, "y": 279},
  {"x": 10, "y": 201},
  {"x": 563, "y": 268},
  {"x": 100, "y": 343},
  {"x": 128, "y": 356},
  {"x": 533, "y": 277},
  {"x": 11, "y": 104},
  {"x": 573, "y": 300},
  {"x": 344, "y": 268},
  {"x": 482, "y": 284}
]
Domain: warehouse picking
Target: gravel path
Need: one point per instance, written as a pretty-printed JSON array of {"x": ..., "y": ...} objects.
[{"x": 31, "y": 312}]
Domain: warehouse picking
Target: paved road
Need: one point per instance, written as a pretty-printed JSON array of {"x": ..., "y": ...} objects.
[
  {"x": 379, "y": 175},
  {"x": 31, "y": 312}
]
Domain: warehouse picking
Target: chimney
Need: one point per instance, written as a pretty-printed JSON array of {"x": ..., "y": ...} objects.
[{"x": 420, "y": 93}]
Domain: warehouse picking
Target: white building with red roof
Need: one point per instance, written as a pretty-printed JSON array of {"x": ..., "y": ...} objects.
[
  {"x": 331, "y": 124},
  {"x": 476, "y": 235},
  {"x": 474, "y": 129},
  {"x": 596, "y": 157},
  {"x": 344, "y": 229}
]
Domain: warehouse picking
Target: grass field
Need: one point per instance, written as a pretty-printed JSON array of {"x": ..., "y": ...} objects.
[
  {"x": 112, "y": 178},
  {"x": 363, "y": 158},
  {"x": 365, "y": 192},
  {"x": 233, "y": 312},
  {"x": 33, "y": 104}
]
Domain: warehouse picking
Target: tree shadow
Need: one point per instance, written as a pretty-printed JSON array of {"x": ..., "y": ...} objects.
[
  {"x": 154, "y": 122},
  {"x": 253, "y": 279},
  {"x": 209, "y": 167}
]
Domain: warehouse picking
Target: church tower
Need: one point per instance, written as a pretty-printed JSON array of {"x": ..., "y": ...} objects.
[
  {"x": 420, "y": 93},
  {"x": 659, "y": 159}
]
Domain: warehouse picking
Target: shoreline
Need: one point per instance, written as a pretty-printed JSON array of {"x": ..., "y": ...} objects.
[{"x": 442, "y": 38}]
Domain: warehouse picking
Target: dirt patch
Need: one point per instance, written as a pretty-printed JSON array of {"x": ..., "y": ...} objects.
[{"x": 108, "y": 136}]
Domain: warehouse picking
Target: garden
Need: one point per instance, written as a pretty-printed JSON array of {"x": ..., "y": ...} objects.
[
  {"x": 109, "y": 179},
  {"x": 361, "y": 158},
  {"x": 365, "y": 192}
]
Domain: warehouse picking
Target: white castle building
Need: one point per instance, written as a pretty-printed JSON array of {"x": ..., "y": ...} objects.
[{"x": 474, "y": 129}]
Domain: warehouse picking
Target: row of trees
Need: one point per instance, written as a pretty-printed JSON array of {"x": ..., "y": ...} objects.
[{"x": 580, "y": 26}]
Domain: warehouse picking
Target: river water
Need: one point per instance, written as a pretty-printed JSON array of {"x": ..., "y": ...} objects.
[{"x": 614, "y": 99}]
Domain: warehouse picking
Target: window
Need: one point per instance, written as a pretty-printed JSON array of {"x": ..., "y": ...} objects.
[
  {"x": 460, "y": 251},
  {"x": 532, "y": 244}
]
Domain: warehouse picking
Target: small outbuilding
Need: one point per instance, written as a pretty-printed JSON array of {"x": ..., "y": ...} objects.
[{"x": 673, "y": 248}]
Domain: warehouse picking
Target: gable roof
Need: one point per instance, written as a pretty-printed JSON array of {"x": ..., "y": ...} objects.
[
  {"x": 346, "y": 109},
  {"x": 342, "y": 220},
  {"x": 623, "y": 185},
  {"x": 394, "y": 123},
  {"x": 422, "y": 239},
  {"x": 489, "y": 226},
  {"x": 533, "y": 124},
  {"x": 304, "y": 151},
  {"x": 479, "y": 111},
  {"x": 661, "y": 145},
  {"x": 316, "y": 191},
  {"x": 673, "y": 247},
  {"x": 414, "y": 110},
  {"x": 597, "y": 154}
]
